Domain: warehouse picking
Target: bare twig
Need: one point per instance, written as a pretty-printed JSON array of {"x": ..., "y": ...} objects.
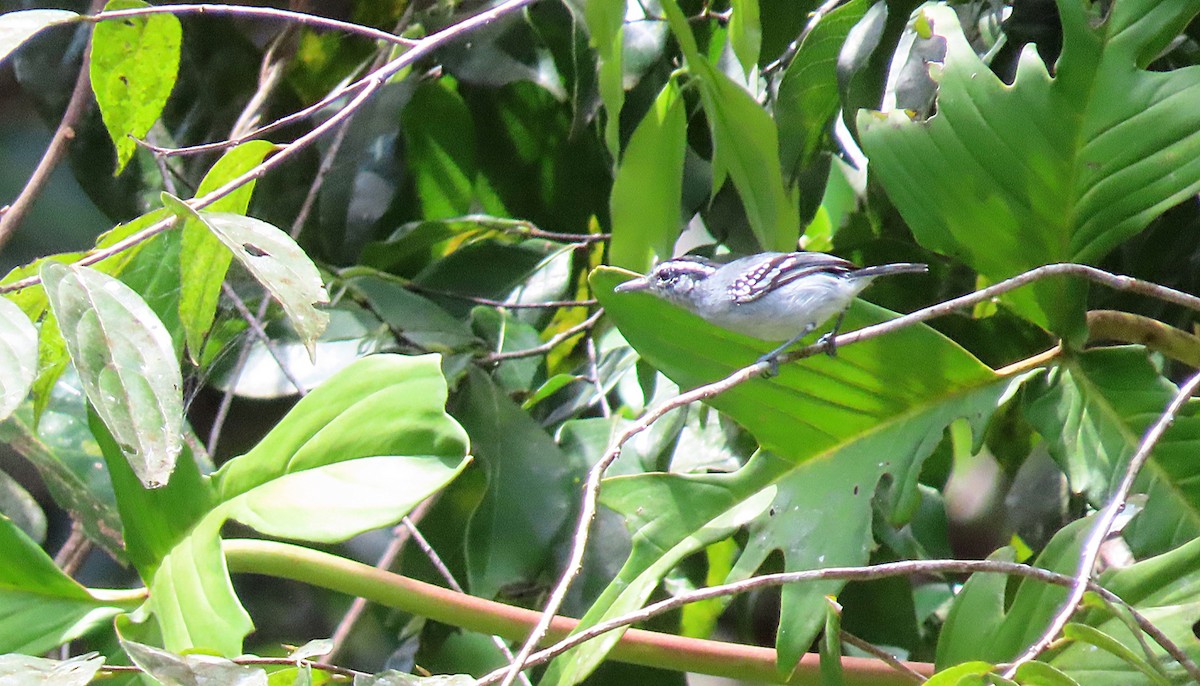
[
  {"x": 259, "y": 13},
  {"x": 548, "y": 345},
  {"x": 255, "y": 324},
  {"x": 444, "y": 571},
  {"x": 594, "y": 373},
  {"x": 371, "y": 83},
  {"x": 12, "y": 216},
  {"x": 74, "y": 551},
  {"x": 881, "y": 655},
  {"x": 591, "y": 492},
  {"x": 1090, "y": 550}
]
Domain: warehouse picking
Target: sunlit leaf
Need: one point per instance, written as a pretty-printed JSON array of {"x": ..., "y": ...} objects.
[
  {"x": 185, "y": 670},
  {"x": 133, "y": 67},
  {"x": 33, "y": 671},
  {"x": 274, "y": 259},
  {"x": 645, "y": 203},
  {"x": 18, "y": 356},
  {"x": 127, "y": 363},
  {"x": 204, "y": 258},
  {"x": 18, "y": 27}
]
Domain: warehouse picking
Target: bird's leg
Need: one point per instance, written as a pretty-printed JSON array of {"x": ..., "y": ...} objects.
[
  {"x": 827, "y": 339},
  {"x": 772, "y": 358}
]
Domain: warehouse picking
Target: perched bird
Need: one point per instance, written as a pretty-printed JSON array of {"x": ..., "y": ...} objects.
[{"x": 772, "y": 296}]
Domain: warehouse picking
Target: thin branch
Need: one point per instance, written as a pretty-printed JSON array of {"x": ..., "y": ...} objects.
[
  {"x": 255, "y": 324},
  {"x": 882, "y": 655},
  {"x": 11, "y": 216},
  {"x": 259, "y": 13},
  {"x": 444, "y": 572},
  {"x": 284, "y": 661},
  {"x": 594, "y": 374},
  {"x": 1090, "y": 550},
  {"x": 587, "y": 511},
  {"x": 548, "y": 345},
  {"x": 794, "y": 47},
  {"x": 527, "y": 228},
  {"x": 371, "y": 83}
]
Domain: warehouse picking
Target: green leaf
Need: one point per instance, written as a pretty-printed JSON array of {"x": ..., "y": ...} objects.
[
  {"x": 18, "y": 356},
  {"x": 835, "y": 428},
  {"x": 745, "y": 144},
  {"x": 294, "y": 484},
  {"x": 22, "y": 508},
  {"x": 439, "y": 139},
  {"x": 1092, "y": 410},
  {"x": 745, "y": 33},
  {"x": 40, "y": 607},
  {"x": 18, "y": 27},
  {"x": 274, "y": 259},
  {"x": 831, "y": 645},
  {"x": 961, "y": 674},
  {"x": 1094, "y": 637},
  {"x": 526, "y": 509},
  {"x": 33, "y": 671},
  {"x": 1049, "y": 169},
  {"x": 1041, "y": 674},
  {"x": 606, "y": 34},
  {"x": 808, "y": 97},
  {"x": 133, "y": 67},
  {"x": 204, "y": 258},
  {"x": 127, "y": 364},
  {"x": 646, "y": 202}
]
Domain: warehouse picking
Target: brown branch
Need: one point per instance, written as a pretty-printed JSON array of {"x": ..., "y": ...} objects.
[
  {"x": 548, "y": 345},
  {"x": 11, "y": 216},
  {"x": 1126, "y": 327}
]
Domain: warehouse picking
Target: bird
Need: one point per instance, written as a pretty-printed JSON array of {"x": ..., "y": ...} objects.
[{"x": 771, "y": 296}]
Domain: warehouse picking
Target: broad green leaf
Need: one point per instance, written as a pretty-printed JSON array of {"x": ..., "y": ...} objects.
[
  {"x": 646, "y": 203},
  {"x": 834, "y": 428},
  {"x": 127, "y": 364},
  {"x": 745, "y": 144},
  {"x": 606, "y": 34},
  {"x": 526, "y": 509},
  {"x": 960, "y": 675},
  {"x": 133, "y": 67},
  {"x": 40, "y": 607},
  {"x": 439, "y": 139},
  {"x": 18, "y": 356},
  {"x": 1097, "y": 638},
  {"x": 334, "y": 467},
  {"x": 18, "y": 27},
  {"x": 274, "y": 259},
  {"x": 186, "y": 670},
  {"x": 33, "y": 671},
  {"x": 983, "y": 627},
  {"x": 745, "y": 33},
  {"x": 1092, "y": 410},
  {"x": 831, "y": 646},
  {"x": 1041, "y": 674},
  {"x": 808, "y": 97},
  {"x": 204, "y": 258},
  {"x": 1049, "y": 169}
]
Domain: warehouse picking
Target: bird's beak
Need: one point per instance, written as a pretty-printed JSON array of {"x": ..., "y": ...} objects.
[{"x": 639, "y": 284}]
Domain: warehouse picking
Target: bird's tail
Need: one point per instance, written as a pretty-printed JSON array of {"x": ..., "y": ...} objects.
[{"x": 885, "y": 269}]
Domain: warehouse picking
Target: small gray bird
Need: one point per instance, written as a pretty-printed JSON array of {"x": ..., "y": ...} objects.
[{"x": 772, "y": 296}]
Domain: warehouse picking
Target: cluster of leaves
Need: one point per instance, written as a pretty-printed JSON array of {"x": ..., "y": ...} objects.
[{"x": 455, "y": 203}]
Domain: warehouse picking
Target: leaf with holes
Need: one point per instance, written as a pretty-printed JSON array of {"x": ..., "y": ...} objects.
[
  {"x": 1050, "y": 169},
  {"x": 127, "y": 364},
  {"x": 133, "y": 69},
  {"x": 205, "y": 260},
  {"x": 272, "y": 257}
]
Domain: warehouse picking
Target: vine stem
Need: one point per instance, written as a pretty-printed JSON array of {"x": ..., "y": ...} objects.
[
  {"x": 370, "y": 84},
  {"x": 587, "y": 511}
]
